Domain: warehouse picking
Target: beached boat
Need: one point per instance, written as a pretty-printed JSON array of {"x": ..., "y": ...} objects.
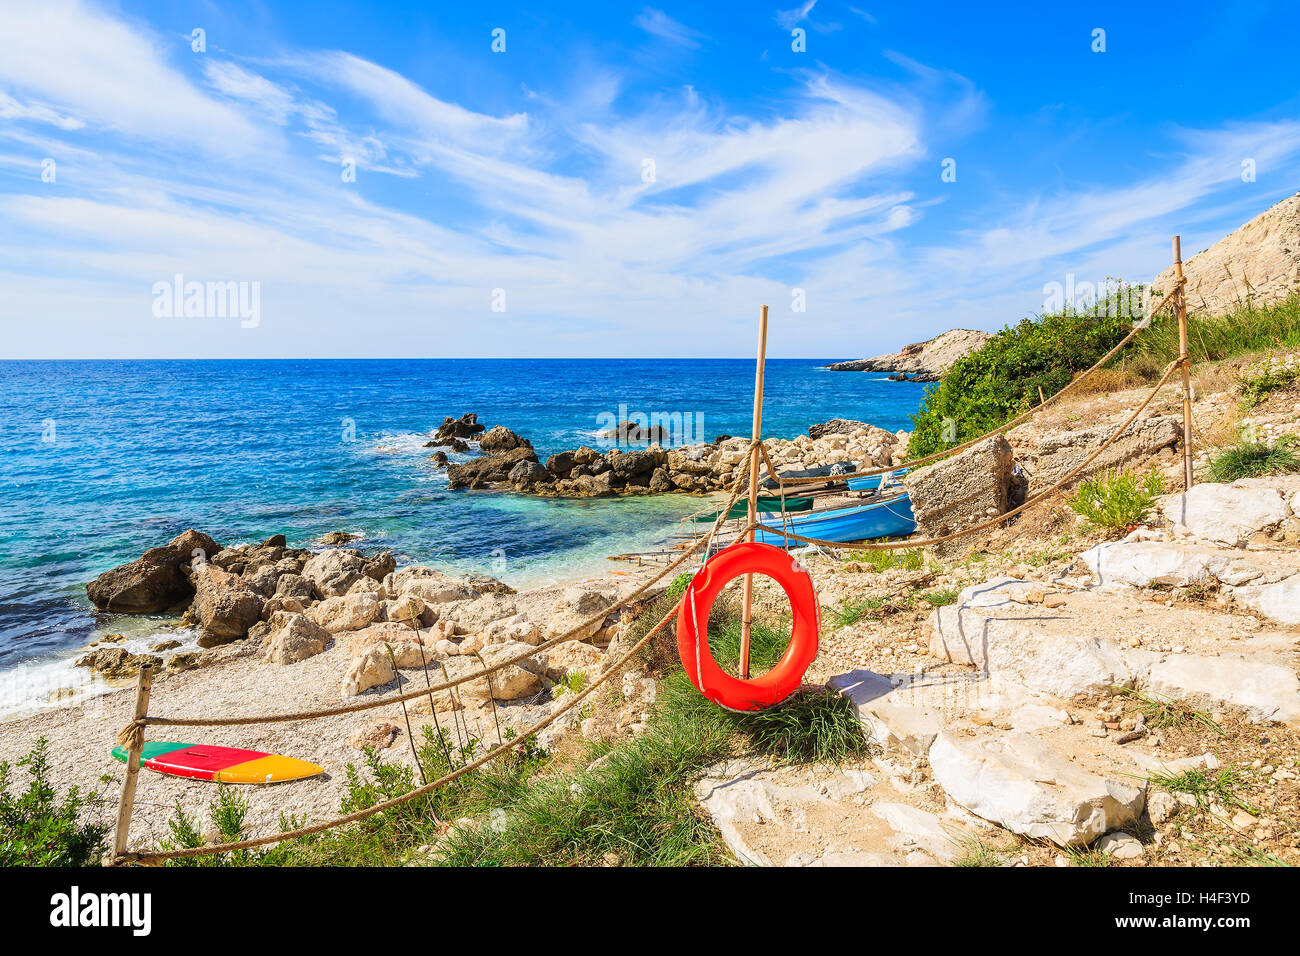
[
  {"x": 872, "y": 482},
  {"x": 889, "y": 518}
]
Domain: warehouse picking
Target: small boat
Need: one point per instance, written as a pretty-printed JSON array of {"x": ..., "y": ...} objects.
[
  {"x": 889, "y": 518},
  {"x": 872, "y": 482}
]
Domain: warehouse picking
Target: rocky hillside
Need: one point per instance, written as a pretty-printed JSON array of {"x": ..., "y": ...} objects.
[
  {"x": 922, "y": 361},
  {"x": 1258, "y": 264}
]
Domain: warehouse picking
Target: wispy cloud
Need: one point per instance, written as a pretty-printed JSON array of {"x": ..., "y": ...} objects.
[
  {"x": 660, "y": 24},
  {"x": 600, "y": 214}
]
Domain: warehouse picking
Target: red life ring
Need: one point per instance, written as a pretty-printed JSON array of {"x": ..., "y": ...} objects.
[{"x": 693, "y": 627}]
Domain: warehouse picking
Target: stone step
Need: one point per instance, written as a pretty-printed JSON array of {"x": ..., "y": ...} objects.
[
  {"x": 1097, "y": 640},
  {"x": 817, "y": 816},
  {"x": 1021, "y": 783}
]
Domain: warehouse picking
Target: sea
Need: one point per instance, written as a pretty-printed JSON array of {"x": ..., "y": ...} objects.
[{"x": 101, "y": 460}]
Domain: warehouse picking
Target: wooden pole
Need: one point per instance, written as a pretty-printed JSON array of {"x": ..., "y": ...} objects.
[
  {"x": 746, "y": 618},
  {"x": 127, "y": 800},
  {"x": 1186, "y": 365}
]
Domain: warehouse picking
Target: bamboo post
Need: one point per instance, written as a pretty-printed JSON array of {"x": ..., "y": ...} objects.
[
  {"x": 127, "y": 800},
  {"x": 1186, "y": 365},
  {"x": 746, "y": 619}
]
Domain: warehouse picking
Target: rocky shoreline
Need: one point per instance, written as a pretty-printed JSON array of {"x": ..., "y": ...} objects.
[{"x": 509, "y": 460}]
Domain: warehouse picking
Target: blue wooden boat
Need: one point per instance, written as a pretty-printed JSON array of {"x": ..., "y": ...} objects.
[
  {"x": 872, "y": 482},
  {"x": 880, "y": 519}
]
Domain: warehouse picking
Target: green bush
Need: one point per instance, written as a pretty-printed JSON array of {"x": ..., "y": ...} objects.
[
  {"x": 1117, "y": 500},
  {"x": 1249, "y": 459},
  {"x": 999, "y": 381},
  {"x": 37, "y": 830}
]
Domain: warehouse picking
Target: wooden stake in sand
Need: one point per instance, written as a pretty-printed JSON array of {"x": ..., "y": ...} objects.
[
  {"x": 127, "y": 800},
  {"x": 746, "y": 619},
  {"x": 1186, "y": 370}
]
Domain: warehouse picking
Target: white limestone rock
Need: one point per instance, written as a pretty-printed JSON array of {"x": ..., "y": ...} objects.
[{"x": 1017, "y": 782}]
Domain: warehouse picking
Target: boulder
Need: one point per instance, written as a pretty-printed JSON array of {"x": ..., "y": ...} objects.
[
  {"x": 527, "y": 474},
  {"x": 226, "y": 607},
  {"x": 630, "y": 465},
  {"x": 487, "y": 468},
  {"x": 661, "y": 481},
  {"x": 501, "y": 438},
  {"x": 561, "y": 464},
  {"x": 336, "y": 538},
  {"x": 1228, "y": 514},
  {"x": 298, "y": 639},
  {"x": 117, "y": 662},
  {"x": 157, "y": 580},
  {"x": 1016, "y": 781},
  {"x": 1056, "y": 455},
  {"x": 276, "y": 541},
  {"x": 1141, "y": 564},
  {"x": 332, "y": 572},
  {"x": 466, "y": 426},
  {"x": 846, "y": 426},
  {"x": 295, "y": 586},
  {"x": 594, "y": 486},
  {"x": 347, "y": 612},
  {"x": 374, "y": 668},
  {"x": 510, "y": 683},
  {"x": 577, "y": 604},
  {"x": 961, "y": 492}
]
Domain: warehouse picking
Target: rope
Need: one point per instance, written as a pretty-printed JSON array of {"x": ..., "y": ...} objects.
[
  {"x": 1029, "y": 502},
  {"x": 160, "y": 855},
  {"x": 1006, "y": 426}
]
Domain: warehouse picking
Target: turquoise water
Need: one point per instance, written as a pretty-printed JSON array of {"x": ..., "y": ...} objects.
[{"x": 102, "y": 460}]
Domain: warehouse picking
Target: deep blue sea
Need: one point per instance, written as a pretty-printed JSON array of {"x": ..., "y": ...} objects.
[{"x": 100, "y": 460}]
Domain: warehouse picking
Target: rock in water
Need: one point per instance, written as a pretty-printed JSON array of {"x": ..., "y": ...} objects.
[
  {"x": 464, "y": 427},
  {"x": 488, "y": 468},
  {"x": 156, "y": 581},
  {"x": 501, "y": 438}
]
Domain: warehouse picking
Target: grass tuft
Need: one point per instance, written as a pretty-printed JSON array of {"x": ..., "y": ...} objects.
[{"x": 1248, "y": 459}]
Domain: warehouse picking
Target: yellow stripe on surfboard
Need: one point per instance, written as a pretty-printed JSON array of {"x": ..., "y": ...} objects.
[{"x": 272, "y": 768}]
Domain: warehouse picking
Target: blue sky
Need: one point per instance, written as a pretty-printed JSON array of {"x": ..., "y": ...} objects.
[{"x": 622, "y": 179}]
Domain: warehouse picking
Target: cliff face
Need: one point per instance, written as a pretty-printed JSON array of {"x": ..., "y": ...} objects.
[
  {"x": 922, "y": 361},
  {"x": 1258, "y": 264}
]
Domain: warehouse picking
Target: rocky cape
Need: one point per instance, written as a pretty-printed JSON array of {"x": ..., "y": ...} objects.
[
  {"x": 510, "y": 461},
  {"x": 922, "y": 361}
]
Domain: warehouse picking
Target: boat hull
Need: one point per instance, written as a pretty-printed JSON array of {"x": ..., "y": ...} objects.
[{"x": 884, "y": 519}]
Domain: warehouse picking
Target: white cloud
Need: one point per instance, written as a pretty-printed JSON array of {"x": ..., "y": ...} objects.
[
  {"x": 107, "y": 74},
  {"x": 660, "y": 24},
  {"x": 812, "y": 190}
]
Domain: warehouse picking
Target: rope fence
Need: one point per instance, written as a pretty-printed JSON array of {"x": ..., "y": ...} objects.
[{"x": 132, "y": 736}]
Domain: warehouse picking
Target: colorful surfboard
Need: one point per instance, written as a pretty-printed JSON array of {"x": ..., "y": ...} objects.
[{"x": 223, "y": 764}]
